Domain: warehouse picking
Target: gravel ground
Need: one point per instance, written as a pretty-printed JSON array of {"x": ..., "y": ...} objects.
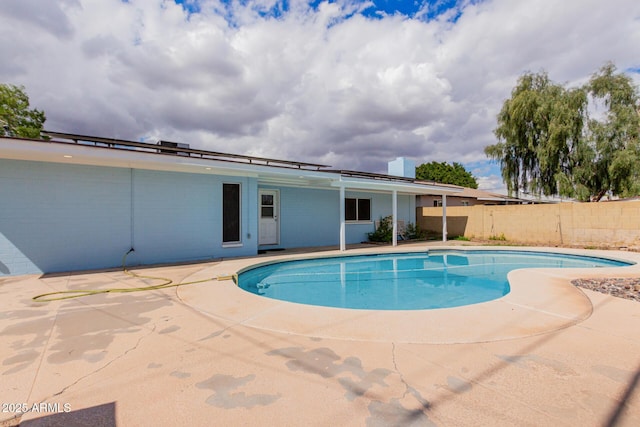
[{"x": 628, "y": 287}]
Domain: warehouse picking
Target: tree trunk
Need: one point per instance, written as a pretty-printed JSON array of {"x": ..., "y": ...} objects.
[{"x": 599, "y": 196}]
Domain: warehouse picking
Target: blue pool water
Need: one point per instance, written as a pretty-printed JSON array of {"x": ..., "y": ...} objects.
[{"x": 406, "y": 281}]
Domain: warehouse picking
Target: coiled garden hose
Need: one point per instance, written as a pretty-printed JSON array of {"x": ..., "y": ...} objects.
[{"x": 167, "y": 283}]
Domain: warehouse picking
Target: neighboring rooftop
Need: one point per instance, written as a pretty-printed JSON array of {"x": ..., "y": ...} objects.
[{"x": 487, "y": 196}]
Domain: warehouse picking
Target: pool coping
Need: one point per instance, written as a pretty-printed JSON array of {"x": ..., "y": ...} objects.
[{"x": 541, "y": 300}]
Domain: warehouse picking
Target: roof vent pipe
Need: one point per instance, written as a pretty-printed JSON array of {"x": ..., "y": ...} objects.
[{"x": 402, "y": 167}]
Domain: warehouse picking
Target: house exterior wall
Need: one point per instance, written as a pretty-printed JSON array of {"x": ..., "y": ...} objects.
[
  {"x": 308, "y": 217},
  {"x": 60, "y": 217},
  {"x": 311, "y": 217},
  {"x": 178, "y": 217}
]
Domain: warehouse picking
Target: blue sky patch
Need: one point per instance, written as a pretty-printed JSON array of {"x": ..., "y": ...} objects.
[
  {"x": 377, "y": 9},
  {"x": 191, "y": 6}
]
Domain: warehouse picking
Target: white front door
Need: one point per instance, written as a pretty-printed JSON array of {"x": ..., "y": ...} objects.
[{"x": 268, "y": 227}]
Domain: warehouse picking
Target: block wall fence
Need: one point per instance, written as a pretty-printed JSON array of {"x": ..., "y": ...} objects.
[{"x": 605, "y": 224}]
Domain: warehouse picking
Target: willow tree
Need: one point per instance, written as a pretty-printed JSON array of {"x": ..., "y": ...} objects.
[
  {"x": 538, "y": 129},
  {"x": 548, "y": 144},
  {"x": 609, "y": 161}
]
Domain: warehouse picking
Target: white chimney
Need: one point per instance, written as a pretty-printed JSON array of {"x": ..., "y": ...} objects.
[{"x": 402, "y": 167}]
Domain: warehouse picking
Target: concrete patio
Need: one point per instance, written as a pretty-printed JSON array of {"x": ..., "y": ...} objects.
[{"x": 211, "y": 354}]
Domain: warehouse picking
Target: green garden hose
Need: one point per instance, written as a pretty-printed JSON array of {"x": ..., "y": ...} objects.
[{"x": 167, "y": 283}]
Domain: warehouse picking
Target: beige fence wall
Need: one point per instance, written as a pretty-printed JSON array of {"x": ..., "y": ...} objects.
[{"x": 611, "y": 224}]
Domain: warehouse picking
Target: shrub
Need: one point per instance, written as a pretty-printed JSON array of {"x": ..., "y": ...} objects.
[
  {"x": 384, "y": 232},
  {"x": 414, "y": 232}
]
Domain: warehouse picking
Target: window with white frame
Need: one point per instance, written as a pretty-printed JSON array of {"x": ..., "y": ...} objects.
[{"x": 357, "y": 209}]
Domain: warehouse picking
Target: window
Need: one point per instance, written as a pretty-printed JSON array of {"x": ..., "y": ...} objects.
[
  {"x": 465, "y": 203},
  {"x": 267, "y": 206},
  {"x": 230, "y": 213},
  {"x": 437, "y": 203},
  {"x": 357, "y": 209}
]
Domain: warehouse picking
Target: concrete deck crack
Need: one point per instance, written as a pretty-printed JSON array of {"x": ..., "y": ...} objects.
[
  {"x": 479, "y": 381},
  {"x": 44, "y": 351},
  {"x": 105, "y": 365},
  {"x": 18, "y": 417},
  {"x": 408, "y": 388}
]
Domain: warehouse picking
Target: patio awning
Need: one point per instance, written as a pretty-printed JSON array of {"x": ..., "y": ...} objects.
[{"x": 394, "y": 186}]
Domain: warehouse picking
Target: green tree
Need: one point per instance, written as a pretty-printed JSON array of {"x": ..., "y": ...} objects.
[
  {"x": 609, "y": 161},
  {"x": 16, "y": 118},
  {"x": 537, "y": 129},
  {"x": 548, "y": 144},
  {"x": 445, "y": 173}
]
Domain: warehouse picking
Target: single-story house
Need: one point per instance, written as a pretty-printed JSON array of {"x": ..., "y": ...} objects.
[{"x": 76, "y": 202}]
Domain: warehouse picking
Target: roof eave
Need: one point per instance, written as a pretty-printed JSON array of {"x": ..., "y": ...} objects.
[{"x": 44, "y": 151}]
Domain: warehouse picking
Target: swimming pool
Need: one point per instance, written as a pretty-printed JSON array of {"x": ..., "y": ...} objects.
[{"x": 403, "y": 281}]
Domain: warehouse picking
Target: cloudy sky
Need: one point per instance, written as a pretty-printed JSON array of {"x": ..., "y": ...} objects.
[{"x": 352, "y": 84}]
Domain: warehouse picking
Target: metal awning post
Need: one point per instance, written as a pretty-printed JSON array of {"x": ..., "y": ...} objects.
[
  {"x": 444, "y": 217},
  {"x": 394, "y": 217},
  {"x": 343, "y": 239}
]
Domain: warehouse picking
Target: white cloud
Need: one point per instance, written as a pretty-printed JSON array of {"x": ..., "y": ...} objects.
[{"x": 322, "y": 85}]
